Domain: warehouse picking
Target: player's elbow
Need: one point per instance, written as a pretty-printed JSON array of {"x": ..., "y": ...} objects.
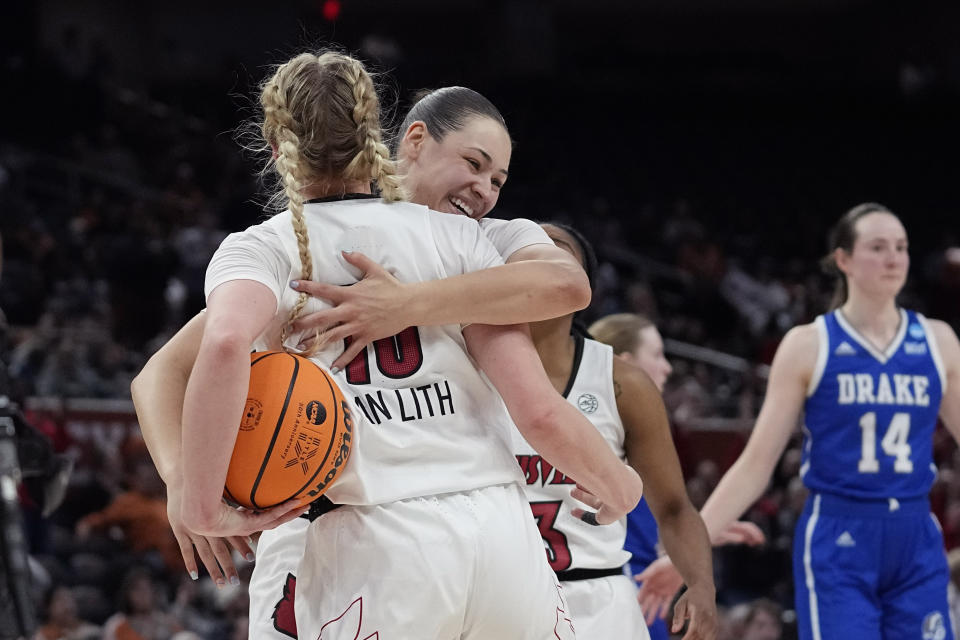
[
  {"x": 225, "y": 343},
  {"x": 573, "y": 287},
  {"x": 537, "y": 420}
]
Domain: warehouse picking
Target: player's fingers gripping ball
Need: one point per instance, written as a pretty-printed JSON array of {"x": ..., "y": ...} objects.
[{"x": 295, "y": 435}]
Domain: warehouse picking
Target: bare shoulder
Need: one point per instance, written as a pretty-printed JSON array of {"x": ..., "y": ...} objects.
[
  {"x": 798, "y": 355},
  {"x": 631, "y": 384},
  {"x": 801, "y": 343},
  {"x": 942, "y": 331},
  {"x": 947, "y": 342}
]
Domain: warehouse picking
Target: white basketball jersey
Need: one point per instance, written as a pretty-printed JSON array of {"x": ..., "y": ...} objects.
[
  {"x": 571, "y": 543},
  {"x": 509, "y": 236},
  {"x": 425, "y": 419}
]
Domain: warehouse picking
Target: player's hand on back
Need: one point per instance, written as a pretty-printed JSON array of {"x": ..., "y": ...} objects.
[{"x": 375, "y": 307}]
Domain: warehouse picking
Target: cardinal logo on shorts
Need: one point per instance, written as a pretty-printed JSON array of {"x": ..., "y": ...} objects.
[
  {"x": 284, "y": 620},
  {"x": 343, "y": 625},
  {"x": 933, "y": 626}
]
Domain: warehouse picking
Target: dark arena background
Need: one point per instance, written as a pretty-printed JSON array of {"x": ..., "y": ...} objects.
[{"x": 704, "y": 146}]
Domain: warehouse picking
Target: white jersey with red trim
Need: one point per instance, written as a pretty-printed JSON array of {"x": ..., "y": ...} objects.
[
  {"x": 571, "y": 543},
  {"x": 279, "y": 550},
  {"x": 426, "y": 420}
]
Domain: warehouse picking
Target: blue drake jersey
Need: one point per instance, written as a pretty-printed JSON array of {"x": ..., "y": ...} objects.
[{"x": 870, "y": 415}]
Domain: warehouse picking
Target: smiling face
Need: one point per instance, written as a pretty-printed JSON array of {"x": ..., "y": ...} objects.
[
  {"x": 462, "y": 173},
  {"x": 879, "y": 261}
]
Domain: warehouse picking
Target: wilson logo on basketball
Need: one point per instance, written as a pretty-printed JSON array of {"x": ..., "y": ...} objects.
[{"x": 346, "y": 441}]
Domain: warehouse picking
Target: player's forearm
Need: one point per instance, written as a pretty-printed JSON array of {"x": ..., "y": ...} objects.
[
  {"x": 739, "y": 488},
  {"x": 157, "y": 394},
  {"x": 574, "y": 446},
  {"x": 525, "y": 291},
  {"x": 685, "y": 540},
  {"x": 212, "y": 410}
]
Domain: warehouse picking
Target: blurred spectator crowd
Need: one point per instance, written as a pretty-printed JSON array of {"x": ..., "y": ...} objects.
[{"x": 111, "y": 214}]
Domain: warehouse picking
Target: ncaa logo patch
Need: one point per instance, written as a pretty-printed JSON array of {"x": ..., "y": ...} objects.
[
  {"x": 933, "y": 626},
  {"x": 316, "y": 412},
  {"x": 915, "y": 331},
  {"x": 588, "y": 402}
]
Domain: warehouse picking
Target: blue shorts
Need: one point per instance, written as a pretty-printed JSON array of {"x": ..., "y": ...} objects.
[
  {"x": 870, "y": 570},
  {"x": 641, "y": 542}
]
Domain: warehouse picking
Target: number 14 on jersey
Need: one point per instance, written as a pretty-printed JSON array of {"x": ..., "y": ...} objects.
[{"x": 895, "y": 443}]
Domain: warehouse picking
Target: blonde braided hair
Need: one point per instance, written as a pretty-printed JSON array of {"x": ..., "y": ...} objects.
[
  {"x": 373, "y": 159},
  {"x": 321, "y": 116}
]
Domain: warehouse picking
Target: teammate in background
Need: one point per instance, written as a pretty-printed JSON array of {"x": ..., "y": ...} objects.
[
  {"x": 870, "y": 379},
  {"x": 625, "y": 407},
  {"x": 453, "y": 549},
  {"x": 635, "y": 339},
  {"x": 447, "y": 135}
]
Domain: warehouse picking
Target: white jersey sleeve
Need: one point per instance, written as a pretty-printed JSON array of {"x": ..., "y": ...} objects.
[
  {"x": 463, "y": 247},
  {"x": 255, "y": 254},
  {"x": 509, "y": 236}
]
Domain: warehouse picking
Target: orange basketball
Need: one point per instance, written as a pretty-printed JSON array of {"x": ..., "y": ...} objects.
[{"x": 295, "y": 434}]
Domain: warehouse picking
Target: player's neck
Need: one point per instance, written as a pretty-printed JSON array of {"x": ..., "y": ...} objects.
[
  {"x": 326, "y": 188},
  {"x": 875, "y": 318}
]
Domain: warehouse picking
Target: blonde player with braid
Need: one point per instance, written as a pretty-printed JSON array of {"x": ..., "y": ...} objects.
[{"x": 432, "y": 537}]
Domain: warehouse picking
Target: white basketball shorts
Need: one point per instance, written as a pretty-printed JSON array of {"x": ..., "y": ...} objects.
[
  {"x": 606, "y": 608},
  {"x": 467, "y": 565},
  {"x": 273, "y": 583}
]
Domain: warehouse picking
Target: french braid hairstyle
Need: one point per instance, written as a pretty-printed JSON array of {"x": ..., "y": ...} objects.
[{"x": 321, "y": 117}]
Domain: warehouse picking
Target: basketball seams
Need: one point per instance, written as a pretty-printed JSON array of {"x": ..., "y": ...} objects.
[
  {"x": 276, "y": 431},
  {"x": 266, "y": 459},
  {"x": 333, "y": 439}
]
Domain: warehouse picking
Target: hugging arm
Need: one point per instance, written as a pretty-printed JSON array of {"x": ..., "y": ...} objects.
[
  {"x": 157, "y": 394},
  {"x": 554, "y": 427},
  {"x": 539, "y": 281}
]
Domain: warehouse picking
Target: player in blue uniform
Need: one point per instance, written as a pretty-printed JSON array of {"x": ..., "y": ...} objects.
[{"x": 870, "y": 379}]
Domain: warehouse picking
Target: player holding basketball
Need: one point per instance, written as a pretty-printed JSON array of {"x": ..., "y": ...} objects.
[
  {"x": 432, "y": 505},
  {"x": 870, "y": 379},
  {"x": 447, "y": 133},
  {"x": 625, "y": 407}
]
